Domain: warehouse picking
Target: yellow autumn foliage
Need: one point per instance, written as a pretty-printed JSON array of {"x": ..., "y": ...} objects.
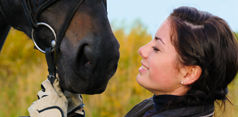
[{"x": 22, "y": 69}]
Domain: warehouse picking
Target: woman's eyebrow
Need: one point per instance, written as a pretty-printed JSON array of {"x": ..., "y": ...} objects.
[{"x": 157, "y": 38}]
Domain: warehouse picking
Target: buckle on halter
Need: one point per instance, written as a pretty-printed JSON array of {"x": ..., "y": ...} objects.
[{"x": 50, "y": 76}]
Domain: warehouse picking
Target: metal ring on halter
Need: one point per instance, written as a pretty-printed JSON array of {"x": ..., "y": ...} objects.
[{"x": 52, "y": 30}]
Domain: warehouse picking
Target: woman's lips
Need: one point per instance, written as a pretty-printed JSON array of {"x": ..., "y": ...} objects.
[{"x": 143, "y": 68}]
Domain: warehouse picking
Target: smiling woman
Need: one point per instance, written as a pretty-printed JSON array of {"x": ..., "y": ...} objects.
[
  {"x": 159, "y": 59},
  {"x": 187, "y": 66}
]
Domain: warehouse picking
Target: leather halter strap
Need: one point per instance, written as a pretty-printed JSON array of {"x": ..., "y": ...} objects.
[
  {"x": 2, "y": 11},
  {"x": 33, "y": 10},
  {"x": 66, "y": 25}
]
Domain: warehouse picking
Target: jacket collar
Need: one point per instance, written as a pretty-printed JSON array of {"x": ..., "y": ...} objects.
[{"x": 195, "y": 111}]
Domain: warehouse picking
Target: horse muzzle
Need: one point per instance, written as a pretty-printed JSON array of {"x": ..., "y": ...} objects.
[{"x": 94, "y": 63}]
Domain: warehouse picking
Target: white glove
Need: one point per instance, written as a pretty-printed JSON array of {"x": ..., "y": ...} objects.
[
  {"x": 51, "y": 102},
  {"x": 75, "y": 102}
]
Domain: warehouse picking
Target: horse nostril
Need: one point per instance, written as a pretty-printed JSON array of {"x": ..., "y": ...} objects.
[
  {"x": 88, "y": 64},
  {"x": 87, "y": 53},
  {"x": 83, "y": 57}
]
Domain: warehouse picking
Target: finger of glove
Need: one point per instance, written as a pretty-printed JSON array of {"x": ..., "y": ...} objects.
[
  {"x": 42, "y": 94},
  {"x": 58, "y": 89},
  {"x": 47, "y": 85},
  {"x": 43, "y": 108},
  {"x": 49, "y": 90},
  {"x": 33, "y": 112}
]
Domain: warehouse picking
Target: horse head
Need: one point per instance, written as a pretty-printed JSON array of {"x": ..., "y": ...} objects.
[{"x": 88, "y": 51}]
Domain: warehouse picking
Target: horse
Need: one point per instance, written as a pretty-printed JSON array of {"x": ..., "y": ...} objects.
[{"x": 76, "y": 33}]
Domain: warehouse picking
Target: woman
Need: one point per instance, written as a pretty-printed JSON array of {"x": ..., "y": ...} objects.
[{"x": 188, "y": 65}]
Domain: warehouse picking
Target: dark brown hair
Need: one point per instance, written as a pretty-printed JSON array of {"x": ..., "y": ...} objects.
[{"x": 203, "y": 39}]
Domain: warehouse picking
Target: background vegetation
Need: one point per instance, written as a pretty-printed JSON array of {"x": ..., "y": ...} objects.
[{"x": 22, "y": 69}]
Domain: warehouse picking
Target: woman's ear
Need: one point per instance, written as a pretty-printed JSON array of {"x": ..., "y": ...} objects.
[{"x": 191, "y": 74}]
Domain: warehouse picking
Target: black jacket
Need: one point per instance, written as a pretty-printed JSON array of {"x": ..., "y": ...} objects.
[{"x": 147, "y": 105}]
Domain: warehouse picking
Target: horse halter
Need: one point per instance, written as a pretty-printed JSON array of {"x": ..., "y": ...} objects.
[{"x": 33, "y": 10}]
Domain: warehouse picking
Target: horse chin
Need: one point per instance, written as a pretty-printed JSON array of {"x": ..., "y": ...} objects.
[
  {"x": 89, "y": 84},
  {"x": 83, "y": 90},
  {"x": 91, "y": 90},
  {"x": 86, "y": 78},
  {"x": 94, "y": 81}
]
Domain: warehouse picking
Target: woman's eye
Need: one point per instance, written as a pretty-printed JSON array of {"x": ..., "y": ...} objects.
[{"x": 155, "y": 49}]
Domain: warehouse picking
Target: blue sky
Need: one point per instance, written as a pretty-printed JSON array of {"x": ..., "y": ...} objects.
[{"x": 122, "y": 13}]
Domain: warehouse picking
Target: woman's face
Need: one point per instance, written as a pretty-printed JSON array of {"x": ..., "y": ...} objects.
[{"x": 158, "y": 72}]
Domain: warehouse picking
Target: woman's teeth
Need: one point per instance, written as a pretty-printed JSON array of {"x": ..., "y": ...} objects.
[{"x": 143, "y": 67}]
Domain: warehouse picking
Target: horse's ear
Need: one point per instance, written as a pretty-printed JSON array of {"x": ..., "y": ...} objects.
[{"x": 3, "y": 34}]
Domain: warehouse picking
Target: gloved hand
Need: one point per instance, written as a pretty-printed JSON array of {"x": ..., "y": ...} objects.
[
  {"x": 51, "y": 102},
  {"x": 75, "y": 102}
]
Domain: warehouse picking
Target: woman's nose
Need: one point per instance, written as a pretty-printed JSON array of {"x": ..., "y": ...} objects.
[
  {"x": 140, "y": 51},
  {"x": 144, "y": 51}
]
